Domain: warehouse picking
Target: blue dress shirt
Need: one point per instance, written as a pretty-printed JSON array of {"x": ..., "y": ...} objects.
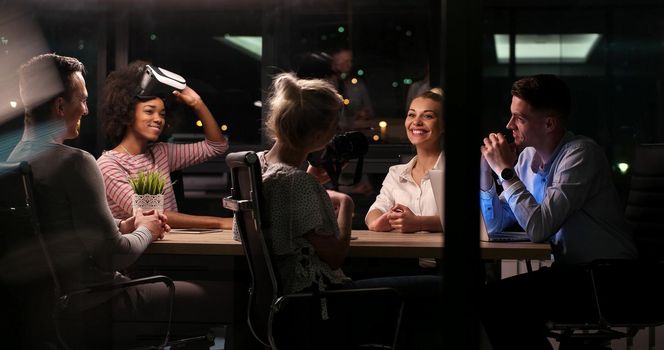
[{"x": 570, "y": 202}]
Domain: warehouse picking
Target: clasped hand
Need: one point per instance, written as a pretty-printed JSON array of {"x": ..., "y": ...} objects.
[
  {"x": 498, "y": 153},
  {"x": 153, "y": 220},
  {"x": 399, "y": 218}
]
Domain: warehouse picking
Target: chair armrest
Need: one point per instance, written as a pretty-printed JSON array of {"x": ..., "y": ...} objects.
[
  {"x": 338, "y": 292},
  {"x": 104, "y": 287},
  {"x": 283, "y": 300},
  {"x": 361, "y": 291},
  {"x": 63, "y": 300}
]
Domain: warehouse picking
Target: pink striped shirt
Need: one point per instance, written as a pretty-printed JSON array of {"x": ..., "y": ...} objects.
[{"x": 164, "y": 157}]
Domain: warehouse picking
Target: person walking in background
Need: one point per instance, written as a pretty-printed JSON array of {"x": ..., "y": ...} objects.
[{"x": 358, "y": 107}]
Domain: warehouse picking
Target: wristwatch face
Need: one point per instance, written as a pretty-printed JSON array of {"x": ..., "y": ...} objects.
[{"x": 507, "y": 174}]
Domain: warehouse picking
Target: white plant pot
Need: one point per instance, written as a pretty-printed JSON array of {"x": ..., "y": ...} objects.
[{"x": 148, "y": 202}]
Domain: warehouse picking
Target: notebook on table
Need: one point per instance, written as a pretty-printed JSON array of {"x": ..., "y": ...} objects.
[
  {"x": 196, "y": 230},
  {"x": 505, "y": 236}
]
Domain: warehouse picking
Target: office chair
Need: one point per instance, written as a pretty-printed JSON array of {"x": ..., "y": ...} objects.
[
  {"x": 640, "y": 306},
  {"x": 645, "y": 203},
  {"x": 27, "y": 275},
  {"x": 645, "y": 208},
  {"x": 268, "y": 306}
]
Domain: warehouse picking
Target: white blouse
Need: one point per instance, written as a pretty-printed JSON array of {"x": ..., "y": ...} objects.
[{"x": 400, "y": 187}]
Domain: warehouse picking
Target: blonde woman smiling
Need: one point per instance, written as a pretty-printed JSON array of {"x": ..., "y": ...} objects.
[{"x": 406, "y": 202}]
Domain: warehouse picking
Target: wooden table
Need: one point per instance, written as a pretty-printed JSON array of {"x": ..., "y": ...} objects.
[
  {"x": 367, "y": 244},
  {"x": 220, "y": 245}
]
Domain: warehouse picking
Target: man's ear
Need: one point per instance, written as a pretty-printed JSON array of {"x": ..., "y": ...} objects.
[
  {"x": 59, "y": 106},
  {"x": 551, "y": 122}
]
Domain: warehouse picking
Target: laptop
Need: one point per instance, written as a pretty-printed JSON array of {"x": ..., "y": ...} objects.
[
  {"x": 505, "y": 236},
  {"x": 437, "y": 183},
  {"x": 437, "y": 177}
]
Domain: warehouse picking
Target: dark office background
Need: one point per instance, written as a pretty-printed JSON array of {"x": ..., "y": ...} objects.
[
  {"x": 618, "y": 97},
  {"x": 617, "y": 89}
]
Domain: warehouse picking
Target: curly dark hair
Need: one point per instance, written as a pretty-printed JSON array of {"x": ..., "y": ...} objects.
[{"x": 118, "y": 100}]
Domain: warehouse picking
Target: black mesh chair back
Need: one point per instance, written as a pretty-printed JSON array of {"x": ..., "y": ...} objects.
[
  {"x": 645, "y": 203},
  {"x": 22, "y": 247},
  {"x": 640, "y": 279},
  {"x": 246, "y": 202},
  {"x": 627, "y": 294},
  {"x": 27, "y": 277}
]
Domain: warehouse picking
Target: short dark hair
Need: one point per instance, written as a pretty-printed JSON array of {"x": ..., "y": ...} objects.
[
  {"x": 40, "y": 85},
  {"x": 545, "y": 92},
  {"x": 118, "y": 100}
]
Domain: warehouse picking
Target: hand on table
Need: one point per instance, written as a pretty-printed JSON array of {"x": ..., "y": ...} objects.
[
  {"x": 382, "y": 224},
  {"x": 154, "y": 221},
  {"x": 402, "y": 219},
  {"x": 128, "y": 225}
]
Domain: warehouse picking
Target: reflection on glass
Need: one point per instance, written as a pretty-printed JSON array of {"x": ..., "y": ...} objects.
[
  {"x": 251, "y": 45},
  {"x": 547, "y": 48}
]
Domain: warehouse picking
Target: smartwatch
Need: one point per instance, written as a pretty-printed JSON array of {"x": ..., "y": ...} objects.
[{"x": 507, "y": 174}]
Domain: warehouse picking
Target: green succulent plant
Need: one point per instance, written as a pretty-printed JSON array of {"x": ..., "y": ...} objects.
[{"x": 148, "y": 182}]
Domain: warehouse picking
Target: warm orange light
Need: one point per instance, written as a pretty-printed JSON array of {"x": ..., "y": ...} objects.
[
  {"x": 346, "y": 101},
  {"x": 224, "y": 127},
  {"x": 376, "y": 137},
  {"x": 199, "y": 123}
]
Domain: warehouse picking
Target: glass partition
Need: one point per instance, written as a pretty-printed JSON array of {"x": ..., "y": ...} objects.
[{"x": 609, "y": 53}]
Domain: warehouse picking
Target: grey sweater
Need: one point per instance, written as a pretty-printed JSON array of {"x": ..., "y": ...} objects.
[{"x": 83, "y": 237}]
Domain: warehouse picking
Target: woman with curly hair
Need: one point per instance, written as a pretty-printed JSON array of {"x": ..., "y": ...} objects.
[{"x": 133, "y": 124}]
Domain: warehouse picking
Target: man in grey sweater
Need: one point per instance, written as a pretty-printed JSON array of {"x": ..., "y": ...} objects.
[{"x": 87, "y": 244}]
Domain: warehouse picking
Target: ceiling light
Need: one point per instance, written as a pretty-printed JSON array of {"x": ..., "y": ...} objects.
[
  {"x": 547, "y": 48},
  {"x": 250, "y": 45}
]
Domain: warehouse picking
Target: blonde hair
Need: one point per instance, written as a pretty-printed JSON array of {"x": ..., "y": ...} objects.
[
  {"x": 300, "y": 108},
  {"x": 435, "y": 94},
  {"x": 438, "y": 91}
]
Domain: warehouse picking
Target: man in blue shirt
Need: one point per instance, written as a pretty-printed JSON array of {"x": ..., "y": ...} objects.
[{"x": 560, "y": 191}]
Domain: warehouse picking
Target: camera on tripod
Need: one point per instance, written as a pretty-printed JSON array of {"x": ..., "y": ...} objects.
[{"x": 343, "y": 148}]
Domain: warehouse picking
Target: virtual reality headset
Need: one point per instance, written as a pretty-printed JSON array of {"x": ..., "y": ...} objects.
[{"x": 159, "y": 82}]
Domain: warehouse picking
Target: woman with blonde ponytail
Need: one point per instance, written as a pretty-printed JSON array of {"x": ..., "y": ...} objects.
[
  {"x": 309, "y": 228},
  {"x": 302, "y": 118}
]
